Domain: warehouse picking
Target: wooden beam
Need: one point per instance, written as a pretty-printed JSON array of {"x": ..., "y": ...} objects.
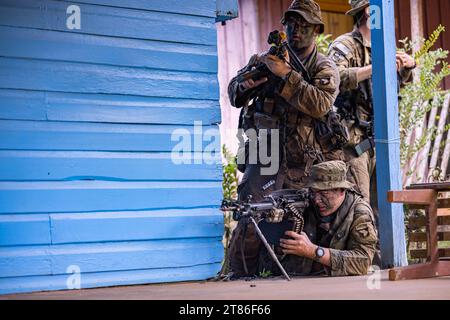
[
  {"x": 417, "y": 222},
  {"x": 441, "y": 186},
  {"x": 420, "y": 271},
  {"x": 417, "y": 198},
  {"x": 387, "y": 134},
  {"x": 423, "y": 253},
  {"x": 422, "y": 236},
  {"x": 338, "y": 6},
  {"x": 416, "y": 21},
  {"x": 422, "y": 197}
]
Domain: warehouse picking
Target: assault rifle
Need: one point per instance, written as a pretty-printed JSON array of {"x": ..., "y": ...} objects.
[{"x": 278, "y": 47}]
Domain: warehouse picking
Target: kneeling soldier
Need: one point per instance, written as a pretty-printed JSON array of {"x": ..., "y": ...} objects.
[{"x": 339, "y": 237}]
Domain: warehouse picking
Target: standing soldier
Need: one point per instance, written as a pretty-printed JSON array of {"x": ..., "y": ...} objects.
[
  {"x": 352, "y": 54},
  {"x": 287, "y": 101}
]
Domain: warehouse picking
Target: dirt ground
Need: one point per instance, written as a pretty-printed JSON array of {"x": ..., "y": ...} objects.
[{"x": 375, "y": 286}]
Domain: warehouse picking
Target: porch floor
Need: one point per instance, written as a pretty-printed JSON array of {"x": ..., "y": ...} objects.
[{"x": 264, "y": 289}]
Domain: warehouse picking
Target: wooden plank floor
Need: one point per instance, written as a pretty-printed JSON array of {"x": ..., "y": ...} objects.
[{"x": 268, "y": 289}]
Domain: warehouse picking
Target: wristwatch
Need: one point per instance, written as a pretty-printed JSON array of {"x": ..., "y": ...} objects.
[{"x": 320, "y": 252}]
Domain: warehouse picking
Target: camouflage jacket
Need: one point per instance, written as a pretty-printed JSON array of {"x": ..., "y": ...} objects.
[
  {"x": 351, "y": 52},
  {"x": 352, "y": 240},
  {"x": 304, "y": 103}
]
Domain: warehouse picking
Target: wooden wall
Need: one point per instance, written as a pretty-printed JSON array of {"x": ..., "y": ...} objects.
[
  {"x": 237, "y": 41},
  {"x": 86, "y": 122},
  {"x": 402, "y": 19}
]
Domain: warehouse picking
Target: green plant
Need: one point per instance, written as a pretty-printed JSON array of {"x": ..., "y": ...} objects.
[
  {"x": 419, "y": 97},
  {"x": 229, "y": 189},
  {"x": 230, "y": 179},
  {"x": 323, "y": 42},
  {"x": 265, "y": 273}
]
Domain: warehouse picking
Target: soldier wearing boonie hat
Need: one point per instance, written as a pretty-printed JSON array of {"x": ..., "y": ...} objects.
[
  {"x": 339, "y": 237},
  {"x": 329, "y": 175},
  {"x": 309, "y": 10},
  {"x": 357, "y": 6}
]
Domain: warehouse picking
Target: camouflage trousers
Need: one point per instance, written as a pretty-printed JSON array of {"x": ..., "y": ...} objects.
[{"x": 361, "y": 172}]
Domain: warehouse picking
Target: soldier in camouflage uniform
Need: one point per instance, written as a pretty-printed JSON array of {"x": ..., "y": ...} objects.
[
  {"x": 339, "y": 237},
  {"x": 292, "y": 105},
  {"x": 291, "y": 95},
  {"x": 352, "y": 54}
]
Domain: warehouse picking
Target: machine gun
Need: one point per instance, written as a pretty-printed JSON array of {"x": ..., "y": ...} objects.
[{"x": 278, "y": 212}]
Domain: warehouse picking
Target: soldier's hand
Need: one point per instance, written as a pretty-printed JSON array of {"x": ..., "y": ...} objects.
[
  {"x": 300, "y": 245},
  {"x": 404, "y": 61},
  {"x": 250, "y": 84},
  {"x": 277, "y": 66}
]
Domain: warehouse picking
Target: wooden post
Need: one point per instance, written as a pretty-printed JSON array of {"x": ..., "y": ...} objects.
[
  {"x": 387, "y": 134},
  {"x": 416, "y": 21}
]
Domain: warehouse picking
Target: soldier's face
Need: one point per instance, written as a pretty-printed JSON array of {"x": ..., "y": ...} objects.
[
  {"x": 301, "y": 34},
  {"x": 328, "y": 201}
]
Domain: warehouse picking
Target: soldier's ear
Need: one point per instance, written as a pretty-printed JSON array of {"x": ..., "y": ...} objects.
[{"x": 317, "y": 30}]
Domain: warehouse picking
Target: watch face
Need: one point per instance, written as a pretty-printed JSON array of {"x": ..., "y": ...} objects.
[{"x": 320, "y": 252}]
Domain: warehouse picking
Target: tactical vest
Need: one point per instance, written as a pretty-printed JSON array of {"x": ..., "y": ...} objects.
[{"x": 306, "y": 140}]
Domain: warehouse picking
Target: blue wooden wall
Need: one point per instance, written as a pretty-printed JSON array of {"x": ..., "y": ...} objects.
[{"x": 86, "y": 117}]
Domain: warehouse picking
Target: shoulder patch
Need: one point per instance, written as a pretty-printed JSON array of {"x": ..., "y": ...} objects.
[{"x": 342, "y": 48}]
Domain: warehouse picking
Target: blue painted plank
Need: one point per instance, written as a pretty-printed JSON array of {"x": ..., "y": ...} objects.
[
  {"x": 23, "y": 105},
  {"x": 87, "y": 78},
  {"x": 102, "y": 20},
  {"x": 24, "y": 261},
  {"x": 136, "y": 255},
  {"x": 205, "y": 8},
  {"x": 227, "y": 9},
  {"x": 136, "y": 225},
  {"x": 74, "y": 196},
  {"x": 103, "y": 279},
  {"x": 74, "y": 165},
  {"x": 18, "y": 230},
  {"x": 34, "y": 229},
  {"x": 387, "y": 134},
  {"x": 117, "y": 256},
  {"x": 43, "y": 135},
  {"x": 55, "y": 106},
  {"x": 53, "y": 45}
]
